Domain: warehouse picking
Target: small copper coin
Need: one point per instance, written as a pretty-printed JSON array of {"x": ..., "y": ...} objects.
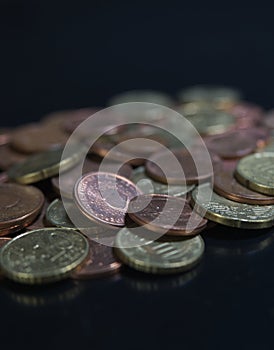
[
  {"x": 100, "y": 262},
  {"x": 247, "y": 114},
  {"x": 19, "y": 206},
  {"x": 9, "y": 157},
  {"x": 188, "y": 174},
  {"x": 238, "y": 143},
  {"x": 33, "y": 138},
  {"x": 158, "y": 212},
  {"x": 227, "y": 186},
  {"x": 4, "y": 136},
  {"x": 104, "y": 196}
]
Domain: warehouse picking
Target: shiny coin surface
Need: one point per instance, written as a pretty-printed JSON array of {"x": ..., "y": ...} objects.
[
  {"x": 44, "y": 165},
  {"x": 256, "y": 172},
  {"x": 105, "y": 196},
  {"x": 19, "y": 206},
  {"x": 100, "y": 262},
  {"x": 149, "y": 186},
  {"x": 230, "y": 213},
  {"x": 227, "y": 186},
  {"x": 165, "y": 214},
  {"x": 158, "y": 257},
  {"x": 42, "y": 256}
]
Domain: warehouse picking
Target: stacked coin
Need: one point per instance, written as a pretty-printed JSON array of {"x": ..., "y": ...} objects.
[{"x": 61, "y": 218}]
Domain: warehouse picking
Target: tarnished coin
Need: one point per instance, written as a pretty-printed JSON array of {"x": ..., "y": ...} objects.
[
  {"x": 227, "y": 186},
  {"x": 230, "y": 213},
  {"x": 165, "y": 214},
  {"x": 247, "y": 114},
  {"x": 19, "y": 206},
  {"x": 256, "y": 172},
  {"x": 34, "y": 138},
  {"x": 9, "y": 157},
  {"x": 149, "y": 186},
  {"x": 56, "y": 215},
  {"x": 104, "y": 196},
  {"x": 101, "y": 262},
  {"x": 64, "y": 184},
  {"x": 42, "y": 256},
  {"x": 237, "y": 143},
  {"x": 188, "y": 174},
  {"x": 149, "y": 96},
  {"x": 158, "y": 257},
  {"x": 44, "y": 165}
]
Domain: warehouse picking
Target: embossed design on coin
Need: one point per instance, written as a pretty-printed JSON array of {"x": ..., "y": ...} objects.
[
  {"x": 100, "y": 262},
  {"x": 45, "y": 255},
  {"x": 105, "y": 196},
  {"x": 257, "y": 172},
  {"x": 19, "y": 206},
  {"x": 158, "y": 257},
  {"x": 229, "y": 213},
  {"x": 165, "y": 214}
]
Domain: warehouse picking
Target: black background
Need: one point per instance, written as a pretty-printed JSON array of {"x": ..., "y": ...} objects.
[{"x": 61, "y": 54}]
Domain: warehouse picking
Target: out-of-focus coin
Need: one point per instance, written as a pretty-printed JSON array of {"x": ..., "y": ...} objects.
[
  {"x": 19, "y": 206},
  {"x": 64, "y": 184},
  {"x": 148, "y": 96},
  {"x": 34, "y": 138},
  {"x": 4, "y": 136},
  {"x": 158, "y": 257},
  {"x": 230, "y": 213},
  {"x": 42, "y": 256},
  {"x": 3, "y": 177},
  {"x": 75, "y": 117},
  {"x": 44, "y": 165},
  {"x": 237, "y": 143},
  {"x": 269, "y": 119},
  {"x": 149, "y": 186},
  {"x": 157, "y": 212},
  {"x": 256, "y": 172},
  {"x": 269, "y": 147},
  {"x": 9, "y": 157},
  {"x": 100, "y": 262},
  {"x": 219, "y": 96},
  {"x": 247, "y": 114},
  {"x": 188, "y": 174},
  {"x": 104, "y": 197},
  {"x": 226, "y": 185}
]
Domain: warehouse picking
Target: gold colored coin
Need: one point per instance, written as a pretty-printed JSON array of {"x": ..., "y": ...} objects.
[
  {"x": 158, "y": 257},
  {"x": 44, "y": 165},
  {"x": 256, "y": 172},
  {"x": 43, "y": 256},
  {"x": 229, "y": 213}
]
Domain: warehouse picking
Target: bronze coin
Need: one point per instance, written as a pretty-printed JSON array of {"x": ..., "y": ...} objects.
[
  {"x": 237, "y": 143},
  {"x": 188, "y": 174},
  {"x": 65, "y": 183},
  {"x": 247, "y": 114},
  {"x": 10, "y": 157},
  {"x": 4, "y": 136},
  {"x": 157, "y": 212},
  {"x": 100, "y": 262},
  {"x": 227, "y": 186},
  {"x": 19, "y": 206},
  {"x": 33, "y": 138},
  {"x": 104, "y": 197}
]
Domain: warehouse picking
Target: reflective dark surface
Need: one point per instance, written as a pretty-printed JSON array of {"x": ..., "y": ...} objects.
[{"x": 59, "y": 55}]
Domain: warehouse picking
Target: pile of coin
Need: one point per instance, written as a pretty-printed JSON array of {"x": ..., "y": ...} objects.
[{"x": 55, "y": 224}]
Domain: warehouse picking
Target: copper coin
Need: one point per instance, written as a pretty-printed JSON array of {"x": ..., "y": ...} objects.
[
  {"x": 19, "y": 206},
  {"x": 227, "y": 186},
  {"x": 247, "y": 114},
  {"x": 188, "y": 174},
  {"x": 39, "y": 222},
  {"x": 4, "y": 136},
  {"x": 9, "y": 157},
  {"x": 269, "y": 120},
  {"x": 105, "y": 197},
  {"x": 237, "y": 143},
  {"x": 100, "y": 262},
  {"x": 33, "y": 138},
  {"x": 157, "y": 212},
  {"x": 65, "y": 183}
]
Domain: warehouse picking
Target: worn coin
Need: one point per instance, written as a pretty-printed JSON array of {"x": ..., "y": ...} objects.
[
  {"x": 230, "y": 213},
  {"x": 158, "y": 257},
  {"x": 44, "y": 255},
  {"x": 104, "y": 196},
  {"x": 256, "y": 172},
  {"x": 44, "y": 165},
  {"x": 19, "y": 206},
  {"x": 165, "y": 214}
]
